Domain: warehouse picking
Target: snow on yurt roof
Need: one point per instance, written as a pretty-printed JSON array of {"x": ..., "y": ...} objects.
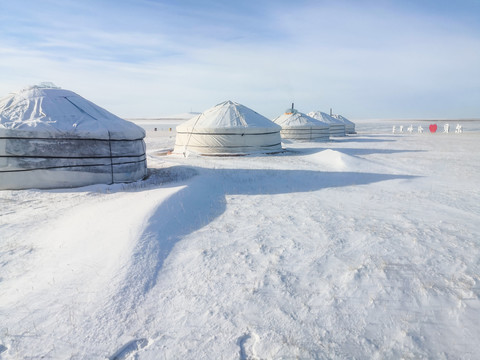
[
  {"x": 344, "y": 120},
  {"x": 324, "y": 117},
  {"x": 294, "y": 119},
  {"x": 48, "y": 111},
  {"x": 228, "y": 115}
]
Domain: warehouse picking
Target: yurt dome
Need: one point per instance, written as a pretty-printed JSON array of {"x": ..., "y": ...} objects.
[
  {"x": 337, "y": 128},
  {"x": 228, "y": 128},
  {"x": 349, "y": 125},
  {"x": 51, "y": 138},
  {"x": 299, "y": 126}
]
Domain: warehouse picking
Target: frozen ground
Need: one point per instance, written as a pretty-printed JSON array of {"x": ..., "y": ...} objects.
[{"x": 364, "y": 247}]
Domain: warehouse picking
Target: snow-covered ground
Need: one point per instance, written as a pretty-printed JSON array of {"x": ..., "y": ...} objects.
[{"x": 364, "y": 247}]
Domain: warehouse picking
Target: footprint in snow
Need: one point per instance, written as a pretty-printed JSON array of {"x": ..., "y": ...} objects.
[
  {"x": 128, "y": 350},
  {"x": 246, "y": 343}
]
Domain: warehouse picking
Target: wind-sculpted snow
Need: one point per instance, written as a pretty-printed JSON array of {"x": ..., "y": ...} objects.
[
  {"x": 189, "y": 210},
  {"x": 364, "y": 247}
]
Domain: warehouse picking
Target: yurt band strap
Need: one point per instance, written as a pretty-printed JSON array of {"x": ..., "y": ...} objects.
[
  {"x": 61, "y": 138},
  {"x": 72, "y": 166},
  {"x": 71, "y": 157},
  {"x": 216, "y": 133},
  {"x": 238, "y": 146}
]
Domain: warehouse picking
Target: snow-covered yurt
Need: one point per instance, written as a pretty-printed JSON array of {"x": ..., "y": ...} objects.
[
  {"x": 299, "y": 126},
  {"x": 349, "y": 125},
  {"x": 52, "y": 138},
  {"x": 337, "y": 128},
  {"x": 228, "y": 128}
]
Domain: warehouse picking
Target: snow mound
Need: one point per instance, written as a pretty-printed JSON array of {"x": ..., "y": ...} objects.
[{"x": 338, "y": 161}]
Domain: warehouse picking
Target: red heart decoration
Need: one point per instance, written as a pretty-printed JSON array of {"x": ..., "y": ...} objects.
[{"x": 433, "y": 128}]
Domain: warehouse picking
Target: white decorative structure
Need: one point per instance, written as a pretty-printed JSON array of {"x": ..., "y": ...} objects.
[
  {"x": 420, "y": 129},
  {"x": 336, "y": 127},
  {"x": 228, "y": 128},
  {"x": 52, "y": 138},
  {"x": 446, "y": 128},
  {"x": 410, "y": 129},
  {"x": 394, "y": 129},
  {"x": 401, "y": 129},
  {"x": 299, "y": 126},
  {"x": 458, "y": 129}
]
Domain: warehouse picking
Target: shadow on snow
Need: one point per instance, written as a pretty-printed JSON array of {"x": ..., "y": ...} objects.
[{"x": 203, "y": 199}]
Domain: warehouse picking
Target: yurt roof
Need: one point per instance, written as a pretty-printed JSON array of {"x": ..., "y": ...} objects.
[
  {"x": 324, "y": 117},
  {"x": 294, "y": 118},
  {"x": 48, "y": 111},
  {"x": 228, "y": 115},
  {"x": 344, "y": 120}
]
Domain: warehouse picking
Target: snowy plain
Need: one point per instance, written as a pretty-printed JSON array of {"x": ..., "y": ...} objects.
[{"x": 366, "y": 247}]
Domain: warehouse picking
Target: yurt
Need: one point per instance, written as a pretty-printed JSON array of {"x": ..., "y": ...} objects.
[
  {"x": 54, "y": 138},
  {"x": 228, "y": 128},
  {"x": 337, "y": 128},
  {"x": 299, "y": 126},
  {"x": 349, "y": 125}
]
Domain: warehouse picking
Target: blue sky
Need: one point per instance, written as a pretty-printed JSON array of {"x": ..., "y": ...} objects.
[{"x": 147, "y": 58}]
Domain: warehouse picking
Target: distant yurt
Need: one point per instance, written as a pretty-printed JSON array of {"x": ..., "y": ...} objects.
[
  {"x": 349, "y": 125},
  {"x": 228, "y": 128},
  {"x": 299, "y": 126},
  {"x": 337, "y": 128},
  {"x": 54, "y": 138}
]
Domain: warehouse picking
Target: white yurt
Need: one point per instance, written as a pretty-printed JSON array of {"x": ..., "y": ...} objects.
[
  {"x": 349, "y": 125},
  {"x": 337, "y": 128},
  {"x": 299, "y": 126},
  {"x": 53, "y": 138},
  {"x": 228, "y": 128}
]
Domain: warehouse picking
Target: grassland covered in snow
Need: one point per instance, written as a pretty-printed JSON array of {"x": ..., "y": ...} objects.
[{"x": 367, "y": 246}]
